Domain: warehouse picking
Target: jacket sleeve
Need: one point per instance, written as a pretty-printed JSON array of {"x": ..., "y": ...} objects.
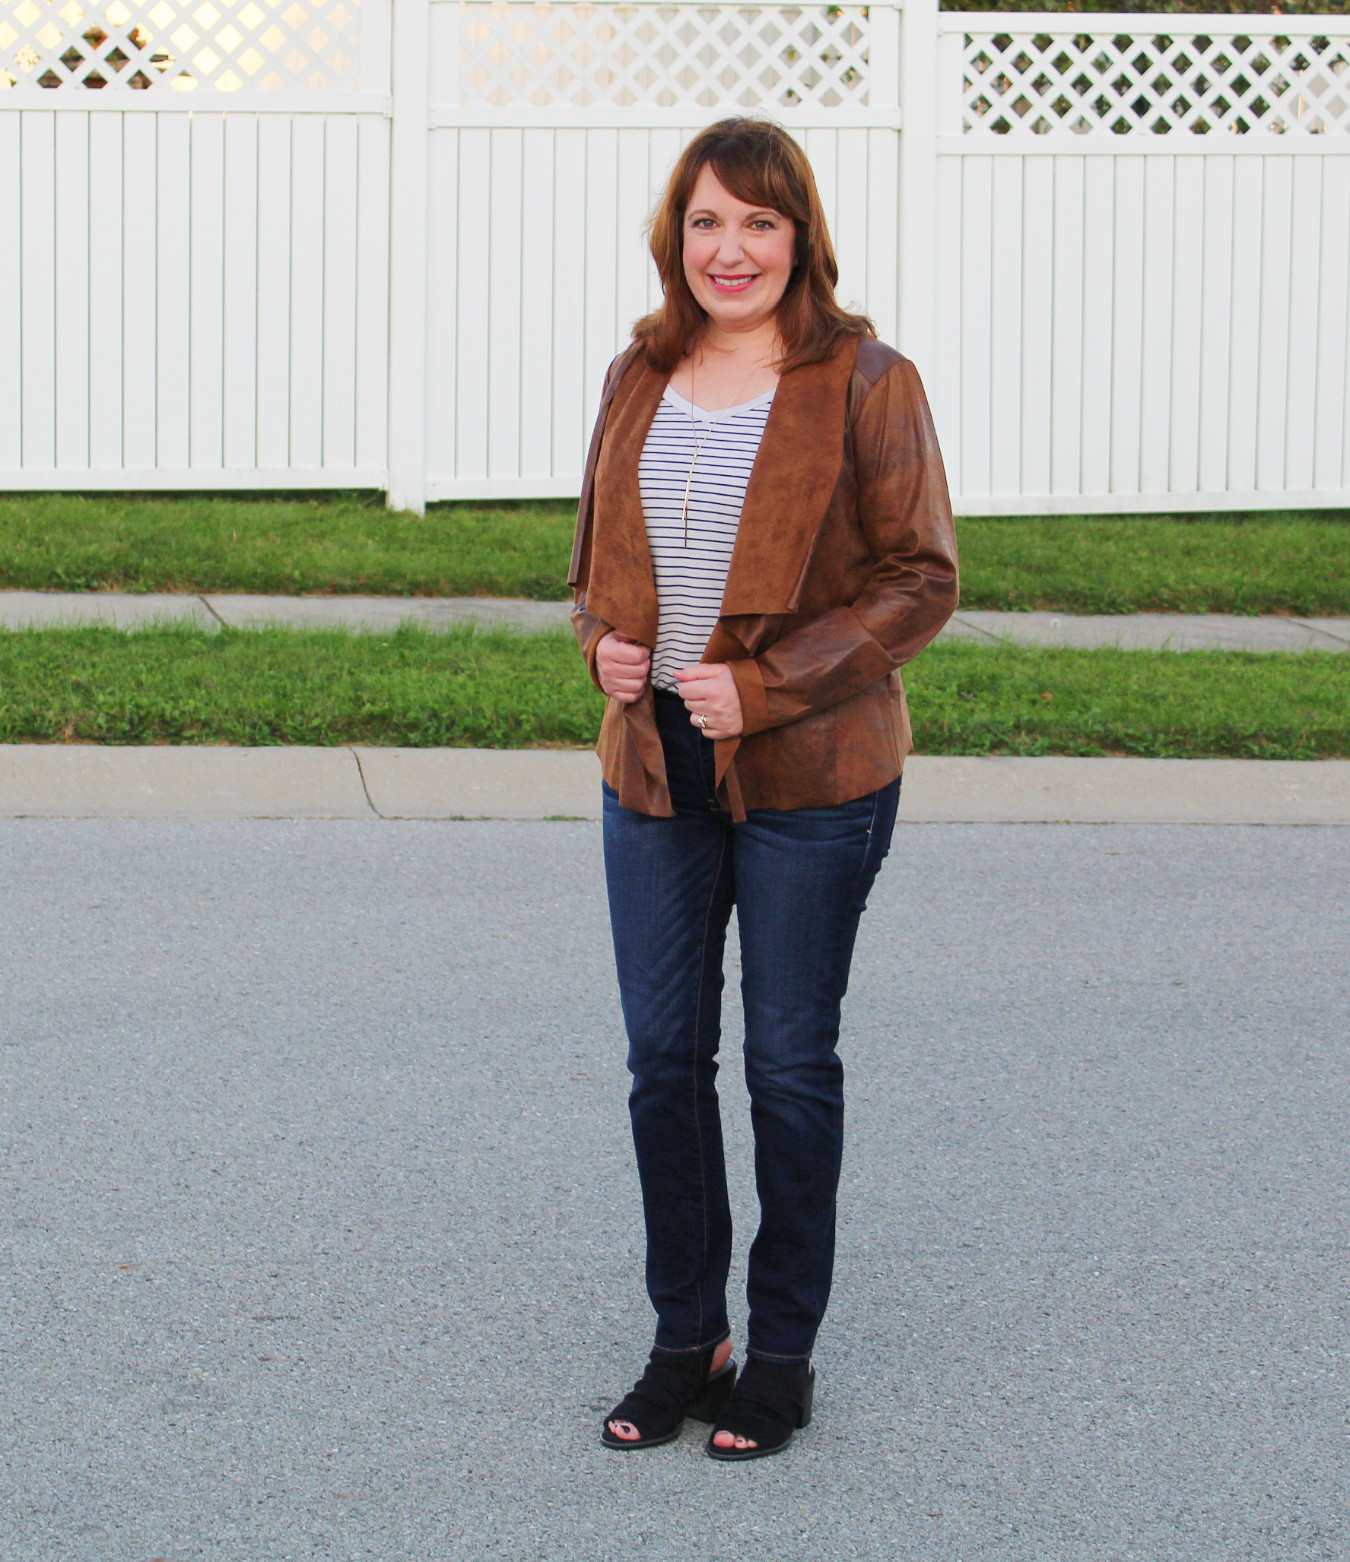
[
  {"x": 911, "y": 587},
  {"x": 591, "y": 630}
]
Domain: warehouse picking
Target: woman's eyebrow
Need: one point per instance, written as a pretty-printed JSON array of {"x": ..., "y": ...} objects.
[{"x": 704, "y": 211}]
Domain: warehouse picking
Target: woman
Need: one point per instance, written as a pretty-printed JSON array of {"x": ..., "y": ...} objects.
[{"x": 764, "y": 537}]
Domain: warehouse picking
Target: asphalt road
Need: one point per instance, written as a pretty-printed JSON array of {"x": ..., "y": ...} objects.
[{"x": 319, "y": 1230}]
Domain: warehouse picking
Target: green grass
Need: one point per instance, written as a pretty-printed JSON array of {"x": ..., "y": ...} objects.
[
  {"x": 462, "y": 688},
  {"x": 498, "y": 689},
  {"x": 1277, "y": 562},
  {"x": 1273, "y": 563},
  {"x": 300, "y": 545},
  {"x": 973, "y": 699}
]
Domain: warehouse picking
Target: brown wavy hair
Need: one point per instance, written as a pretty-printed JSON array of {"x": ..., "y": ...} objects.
[{"x": 760, "y": 164}]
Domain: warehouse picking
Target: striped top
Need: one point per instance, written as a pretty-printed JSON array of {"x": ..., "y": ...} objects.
[{"x": 690, "y": 580}]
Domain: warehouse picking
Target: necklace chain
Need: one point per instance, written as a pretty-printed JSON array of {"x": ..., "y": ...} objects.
[{"x": 698, "y": 448}]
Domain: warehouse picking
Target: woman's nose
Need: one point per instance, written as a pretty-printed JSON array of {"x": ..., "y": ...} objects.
[{"x": 730, "y": 250}]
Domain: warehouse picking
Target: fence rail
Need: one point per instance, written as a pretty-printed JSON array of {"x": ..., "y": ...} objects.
[{"x": 308, "y": 243}]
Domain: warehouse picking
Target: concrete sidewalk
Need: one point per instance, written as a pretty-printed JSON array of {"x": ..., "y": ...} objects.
[
  {"x": 200, "y": 782},
  {"x": 1132, "y": 631}
]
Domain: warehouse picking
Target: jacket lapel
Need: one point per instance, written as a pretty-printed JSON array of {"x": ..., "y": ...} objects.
[
  {"x": 794, "y": 476},
  {"x": 622, "y": 586}
]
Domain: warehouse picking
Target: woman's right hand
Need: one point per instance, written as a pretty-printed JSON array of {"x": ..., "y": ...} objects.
[{"x": 622, "y": 666}]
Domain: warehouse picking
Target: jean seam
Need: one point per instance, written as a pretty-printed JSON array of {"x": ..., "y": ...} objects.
[
  {"x": 693, "y": 1350},
  {"x": 867, "y": 851},
  {"x": 693, "y": 1061}
]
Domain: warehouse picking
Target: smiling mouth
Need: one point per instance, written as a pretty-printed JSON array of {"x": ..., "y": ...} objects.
[{"x": 735, "y": 284}]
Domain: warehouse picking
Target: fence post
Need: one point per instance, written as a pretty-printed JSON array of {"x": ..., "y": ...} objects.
[
  {"x": 408, "y": 158},
  {"x": 918, "y": 179}
]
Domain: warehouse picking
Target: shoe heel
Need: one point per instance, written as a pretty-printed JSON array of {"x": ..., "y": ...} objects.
[
  {"x": 708, "y": 1405},
  {"x": 807, "y": 1400}
]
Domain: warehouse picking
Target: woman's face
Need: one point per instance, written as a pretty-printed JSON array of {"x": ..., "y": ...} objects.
[{"x": 737, "y": 258}]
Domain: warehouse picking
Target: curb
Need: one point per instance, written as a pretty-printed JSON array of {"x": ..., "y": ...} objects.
[{"x": 53, "y": 781}]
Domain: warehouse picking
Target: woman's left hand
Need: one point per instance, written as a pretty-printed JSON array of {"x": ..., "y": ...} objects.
[{"x": 710, "y": 697}]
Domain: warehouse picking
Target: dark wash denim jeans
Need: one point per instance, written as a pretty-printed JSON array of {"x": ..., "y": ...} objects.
[{"x": 799, "y": 881}]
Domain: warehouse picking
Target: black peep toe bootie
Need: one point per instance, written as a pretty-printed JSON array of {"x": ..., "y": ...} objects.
[
  {"x": 671, "y": 1388},
  {"x": 771, "y": 1401}
]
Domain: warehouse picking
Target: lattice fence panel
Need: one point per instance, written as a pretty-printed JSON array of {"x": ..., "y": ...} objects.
[
  {"x": 1153, "y": 84},
  {"x": 154, "y": 45},
  {"x": 584, "y": 54}
]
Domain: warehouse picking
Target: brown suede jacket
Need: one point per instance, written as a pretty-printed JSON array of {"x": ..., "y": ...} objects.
[{"x": 844, "y": 568}]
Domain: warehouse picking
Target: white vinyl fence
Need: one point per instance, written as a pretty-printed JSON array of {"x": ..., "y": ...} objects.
[{"x": 343, "y": 243}]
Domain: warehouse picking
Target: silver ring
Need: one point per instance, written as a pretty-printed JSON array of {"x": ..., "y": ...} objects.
[{"x": 702, "y": 722}]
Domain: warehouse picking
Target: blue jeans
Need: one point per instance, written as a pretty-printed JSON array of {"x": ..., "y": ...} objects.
[{"x": 799, "y": 880}]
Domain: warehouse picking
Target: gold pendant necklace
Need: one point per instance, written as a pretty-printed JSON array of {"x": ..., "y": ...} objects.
[{"x": 698, "y": 448}]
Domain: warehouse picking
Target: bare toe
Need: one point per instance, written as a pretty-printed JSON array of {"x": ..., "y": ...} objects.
[{"x": 625, "y": 1430}]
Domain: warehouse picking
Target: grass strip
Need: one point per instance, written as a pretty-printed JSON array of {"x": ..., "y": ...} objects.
[
  {"x": 1294, "y": 562},
  {"x": 497, "y": 689},
  {"x": 338, "y": 544}
]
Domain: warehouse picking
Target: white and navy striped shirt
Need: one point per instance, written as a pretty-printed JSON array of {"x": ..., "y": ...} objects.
[{"x": 690, "y": 580}]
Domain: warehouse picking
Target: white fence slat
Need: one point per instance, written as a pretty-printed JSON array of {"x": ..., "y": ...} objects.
[
  {"x": 575, "y": 393},
  {"x": 632, "y": 205},
  {"x": 339, "y": 290},
  {"x": 977, "y": 262},
  {"x": 1037, "y": 322},
  {"x": 1005, "y": 335},
  {"x": 1215, "y": 418},
  {"x": 1127, "y": 309},
  {"x": 1159, "y": 260},
  {"x": 106, "y": 164},
  {"x": 539, "y": 190},
  {"x": 411, "y": 64},
  {"x": 1331, "y": 459},
  {"x": 38, "y": 288},
  {"x": 1066, "y": 393},
  {"x": 918, "y": 87},
  {"x": 1272, "y": 400},
  {"x": 1244, "y": 361},
  {"x": 505, "y": 235},
  {"x": 1303, "y": 327},
  {"x": 274, "y": 291},
  {"x": 442, "y": 301},
  {"x": 883, "y": 237},
  {"x": 140, "y": 311},
  {"x": 11, "y": 300},
  {"x": 173, "y": 336},
  {"x": 307, "y": 289},
  {"x": 1099, "y": 180},
  {"x": 71, "y": 345},
  {"x": 947, "y": 334},
  {"x": 471, "y": 341},
  {"x": 372, "y": 294},
  {"x": 239, "y": 282},
  {"x": 1185, "y": 339},
  {"x": 853, "y": 180},
  {"x": 602, "y": 245},
  {"x": 207, "y": 368}
]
